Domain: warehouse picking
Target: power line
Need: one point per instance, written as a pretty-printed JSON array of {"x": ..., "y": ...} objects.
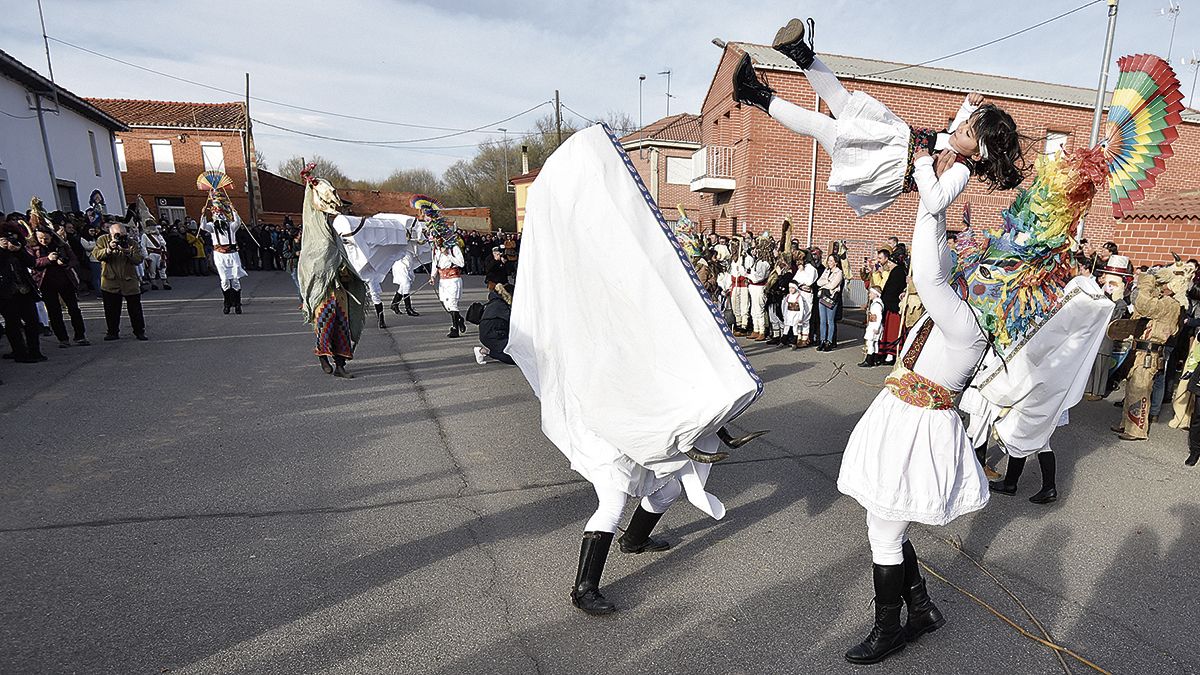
[
  {"x": 986, "y": 44},
  {"x": 266, "y": 100}
]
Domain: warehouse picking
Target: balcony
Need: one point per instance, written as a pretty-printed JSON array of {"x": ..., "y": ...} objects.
[{"x": 712, "y": 169}]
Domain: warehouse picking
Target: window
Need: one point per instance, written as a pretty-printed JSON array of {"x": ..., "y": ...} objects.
[
  {"x": 68, "y": 197},
  {"x": 121, "y": 156},
  {"x": 214, "y": 156},
  {"x": 1055, "y": 141},
  {"x": 164, "y": 158},
  {"x": 679, "y": 170},
  {"x": 95, "y": 152}
]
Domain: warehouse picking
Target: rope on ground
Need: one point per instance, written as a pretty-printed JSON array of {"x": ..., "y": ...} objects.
[
  {"x": 957, "y": 545},
  {"x": 1017, "y": 627},
  {"x": 840, "y": 369}
]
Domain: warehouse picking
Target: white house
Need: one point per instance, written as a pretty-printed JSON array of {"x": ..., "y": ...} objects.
[{"x": 53, "y": 145}]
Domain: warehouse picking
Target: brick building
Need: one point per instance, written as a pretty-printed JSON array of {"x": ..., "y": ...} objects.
[
  {"x": 1160, "y": 226},
  {"x": 170, "y": 143},
  {"x": 662, "y": 153},
  {"x": 754, "y": 172},
  {"x": 371, "y": 202}
]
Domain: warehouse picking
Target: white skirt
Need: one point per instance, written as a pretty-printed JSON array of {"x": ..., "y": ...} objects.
[
  {"x": 913, "y": 464},
  {"x": 870, "y": 156},
  {"x": 229, "y": 265},
  {"x": 449, "y": 291}
]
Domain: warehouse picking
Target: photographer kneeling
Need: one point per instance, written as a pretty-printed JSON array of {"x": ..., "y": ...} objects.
[
  {"x": 54, "y": 271},
  {"x": 119, "y": 257},
  {"x": 493, "y": 327}
]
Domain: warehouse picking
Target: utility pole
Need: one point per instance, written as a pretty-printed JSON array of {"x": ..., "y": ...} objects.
[
  {"x": 251, "y": 163},
  {"x": 1195, "y": 64},
  {"x": 1172, "y": 12},
  {"x": 504, "y": 131},
  {"x": 49, "y": 64},
  {"x": 1101, "y": 89},
  {"x": 558, "y": 116},
  {"x": 667, "y": 72}
]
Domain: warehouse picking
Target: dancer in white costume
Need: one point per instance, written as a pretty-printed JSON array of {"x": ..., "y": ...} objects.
[
  {"x": 447, "y": 272},
  {"x": 635, "y": 399},
  {"x": 404, "y": 270},
  {"x": 223, "y": 230}
]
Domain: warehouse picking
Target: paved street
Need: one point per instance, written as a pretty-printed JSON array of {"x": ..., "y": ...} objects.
[{"x": 211, "y": 502}]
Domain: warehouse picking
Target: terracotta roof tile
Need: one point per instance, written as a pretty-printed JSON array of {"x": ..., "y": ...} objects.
[
  {"x": 1179, "y": 205},
  {"x": 526, "y": 177},
  {"x": 681, "y": 128},
  {"x": 173, "y": 114}
]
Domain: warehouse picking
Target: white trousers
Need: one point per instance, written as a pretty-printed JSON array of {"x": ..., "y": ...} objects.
[
  {"x": 887, "y": 539},
  {"x": 155, "y": 269},
  {"x": 402, "y": 274},
  {"x": 758, "y": 309},
  {"x": 449, "y": 292},
  {"x": 231, "y": 283},
  {"x": 808, "y": 122},
  {"x": 612, "y": 504},
  {"x": 773, "y": 315},
  {"x": 374, "y": 291},
  {"x": 872, "y": 345},
  {"x": 741, "y": 306}
]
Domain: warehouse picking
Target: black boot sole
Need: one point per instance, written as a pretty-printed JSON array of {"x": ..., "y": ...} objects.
[
  {"x": 651, "y": 545},
  {"x": 792, "y": 32},
  {"x": 878, "y": 658},
  {"x": 999, "y": 488},
  {"x": 1045, "y": 497}
]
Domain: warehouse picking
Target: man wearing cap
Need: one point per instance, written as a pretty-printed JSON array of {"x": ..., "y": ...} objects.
[
  {"x": 1114, "y": 275},
  {"x": 1154, "y": 303}
]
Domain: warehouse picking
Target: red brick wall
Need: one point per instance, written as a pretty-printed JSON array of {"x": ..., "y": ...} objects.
[
  {"x": 773, "y": 164},
  {"x": 1151, "y": 241},
  {"x": 668, "y": 195},
  {"x": 140, "y": 178}
]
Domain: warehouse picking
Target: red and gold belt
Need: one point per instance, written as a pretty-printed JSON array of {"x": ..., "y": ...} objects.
[
  {"x": 918, "y": 391},
  {"x": 450, "y": 272}
]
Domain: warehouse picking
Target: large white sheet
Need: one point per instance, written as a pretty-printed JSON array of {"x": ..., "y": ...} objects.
[
  {"x": 1042, "y": 376},
  {"x": 630, "y": 358},
  {"x": 381, "y": 241}
]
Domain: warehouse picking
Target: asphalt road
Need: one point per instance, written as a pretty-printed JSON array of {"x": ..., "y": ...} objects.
[{"x": 211, "y": 502}]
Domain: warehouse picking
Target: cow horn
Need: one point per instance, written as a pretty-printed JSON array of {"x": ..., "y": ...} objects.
[{"x": 1176, "y": 256}]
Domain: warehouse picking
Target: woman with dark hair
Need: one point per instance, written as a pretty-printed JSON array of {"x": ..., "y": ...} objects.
[
  {"x": 829, "y": 301},
  {"x": 18, "y": 296},
  {"x": 893, "y": 292},
  {"x": 54, "y": 272}
]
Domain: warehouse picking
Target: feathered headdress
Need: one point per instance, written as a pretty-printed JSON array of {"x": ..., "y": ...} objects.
[
  {"x": 37, "y": 215},
  {"x": 685, "y": 232},
  {"x": 1013, "y": 273}
]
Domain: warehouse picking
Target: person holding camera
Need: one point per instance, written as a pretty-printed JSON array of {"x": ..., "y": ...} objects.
[
  {"x": 119, "y": 257},
  {"x": 54, "y": 272},
  {"x": 18, "y": 297}
]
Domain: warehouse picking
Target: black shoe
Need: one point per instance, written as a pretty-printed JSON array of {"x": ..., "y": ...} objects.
[
  {"x": 82, "y": 342},
  {"x": 325, "y": 365},
  {"x": 166, "y": 286},
  {"x": 886, "y": 636},
  {"x": 408, "y": 307},
  {"x": 748, "y": 89},
  {"x": 1002, "y": 487},
  {"x": 1046, "y": 496},
  {"x": 789, "y": 41},
  {"x": 867, "y": 362},
  {"x": 637, "y": 537},
  {"x": 923, "y": 616},
  {"x": 111, "y": 337},
  {"x": 141, "y": 337},
  {"x": 339, "y": 370},
  {"x": 593, "y": 553},
  {"x": 1192, "y": 459},
  {"x": 453, "y": 332}
]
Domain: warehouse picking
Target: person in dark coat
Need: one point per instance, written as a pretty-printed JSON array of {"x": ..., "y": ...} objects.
[
  {"x": 893, "y": 289},
  {"x": 493, "y": 327},
  {"x": 817, "y": 259},
  {"x": 496, "y": 270},
  {"x": 54, "y": 272},
  {"x": 776, "y": 292},
  {"x": 19, "y": 297}
]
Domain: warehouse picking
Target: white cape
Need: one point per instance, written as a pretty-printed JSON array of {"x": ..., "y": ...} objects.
[
  {"x": 381, "y": 241},
  {"x": 630, "y": 357},
  {"x": 1042, "y": 375}
]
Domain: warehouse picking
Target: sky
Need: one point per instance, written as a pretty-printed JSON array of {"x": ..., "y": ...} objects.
[{"x": 468, "y": 64}]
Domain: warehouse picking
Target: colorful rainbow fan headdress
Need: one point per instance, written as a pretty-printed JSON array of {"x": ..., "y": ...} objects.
[
  {"x": 1013, "y": 273},
  {"x": 685, "y": 232}
]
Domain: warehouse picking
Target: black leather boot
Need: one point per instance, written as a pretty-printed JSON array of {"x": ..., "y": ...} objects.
[
  {"x": 789, "y": 41},
  {"x": 1008, "y": 486},
  {"x": 396, "y": 302},
  {"x": 886, "y": 636},
  {"x": 339, "y": 368},
  {"x": 923, "y": 615},
  {"x": 379, "y": 314},
  {"x": 453, "y": 327},
  {"x": 460, "y": 322},
  {"x": 325, "y": 365},
  {"x": 228, "y": 301},
  {"x": 237, "y": 300},
  {"x": 748, "y": 89},
  {"x": 408, "y": 306},
  {"x": 637, "y": 537},
  {"x": 593, "y": 553},
  {"x": 1193, "y": 457},
  {"x": 1049, "y": 491}
]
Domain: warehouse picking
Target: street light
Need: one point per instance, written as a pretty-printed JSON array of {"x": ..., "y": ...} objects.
[
  {"x": 505, "y": 132},
  {"x": 641, "y": 125}
]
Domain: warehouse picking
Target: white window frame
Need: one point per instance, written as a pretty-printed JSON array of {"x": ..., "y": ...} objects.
[
  {"x": 1056, "y": 141},
  {"x": 204, "y": 157},
  {"x": 120, "y": 146},
  {"x": 682, "y": 173},
  {"x": 162, "y": 168},
  {"x": 95, "y": 151}
]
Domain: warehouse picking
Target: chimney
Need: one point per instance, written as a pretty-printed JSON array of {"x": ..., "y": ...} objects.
[{"x": 524, "y": 159}]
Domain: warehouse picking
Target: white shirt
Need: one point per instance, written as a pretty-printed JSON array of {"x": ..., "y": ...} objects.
[
  {"x": 223, "y": 238},
  {"x": 757, "y": 271},
  {"x": 806, "y": 276},
  {"x": 443, "y": 258}
]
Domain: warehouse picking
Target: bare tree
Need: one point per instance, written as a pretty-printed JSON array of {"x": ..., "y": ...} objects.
[
  {"x": 422, "y": 181},
  {"x": 325, "y": 168}
]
